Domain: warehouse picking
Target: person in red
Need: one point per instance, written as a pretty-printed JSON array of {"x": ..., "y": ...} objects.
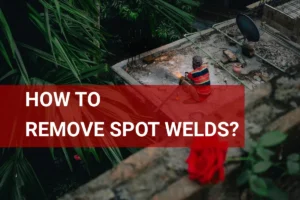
[{"x": 200, "y": 78}]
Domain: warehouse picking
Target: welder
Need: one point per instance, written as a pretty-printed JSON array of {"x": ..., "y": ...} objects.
[{"x": 199, "y": 77}]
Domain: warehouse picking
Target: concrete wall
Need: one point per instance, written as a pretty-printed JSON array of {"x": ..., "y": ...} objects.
[
  {"x": 297, "y": 29},
  {"x": 282, "y": 22}
]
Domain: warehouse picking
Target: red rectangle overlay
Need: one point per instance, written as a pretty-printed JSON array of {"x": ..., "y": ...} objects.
[{"x": 119, "y": 116}]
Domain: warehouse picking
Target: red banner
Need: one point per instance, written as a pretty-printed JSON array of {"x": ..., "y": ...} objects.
[{"x": 118, "y": 116}]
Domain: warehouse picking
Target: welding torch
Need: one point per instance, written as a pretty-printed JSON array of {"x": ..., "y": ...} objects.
[{"x": 189, "y": 88}]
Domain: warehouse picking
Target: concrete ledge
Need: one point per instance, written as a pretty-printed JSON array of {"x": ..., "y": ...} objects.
[
  {"x": 118, "y": 68},
  {"x": 257, "y": 4},
  {"x": 185, "y": 189},
  {"x": 260, "y": 93},
  {"x": 152, "y": 173},
  {"x": 286, "y": 24},
  {"x": 126, "y": 170},
  {"x": 286, "y": 122},
  {"x": 160, "y": 176},
  {"x": 160, "y": 173},
  {"x": 182, "y": 189}
]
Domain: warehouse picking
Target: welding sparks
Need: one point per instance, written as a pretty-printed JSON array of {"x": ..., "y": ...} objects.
[{"x": 177, "y": 74}]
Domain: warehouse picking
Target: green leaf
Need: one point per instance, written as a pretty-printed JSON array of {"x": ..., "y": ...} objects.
[
  {"x": 15, "y": 51},
  {"x": 6, "y": 29},
  {"x": 272, "y": 139},
  {"x": 52, "y": 153},
  {"x": 258, "y": 186},
  {"x": 95, "y": 154},
  {"x": 9, "y": 73},
  {"x": 18, "y": 178},
  {"x": 293, "y": 167},
  {"x": 274, "y": 193},
  {"x": 250, "y": 145},
  {"x": 265, "y": 154},
  {"x": 5, "y": 171},
  {"x": 48, "y": 28},
  {"x": 113, "y": 154},
  {"x": 64, "y": 54},
  {"x": 5, "y": 54},
  {"x": 57, "y": 6},
  {"x": 243, "y": 178},
  {"x": 262, "y": 166},
  {"x": 67, "y": 158},
  {"x": 293, "y": 157},
  {"x": 191, "y": 3}
]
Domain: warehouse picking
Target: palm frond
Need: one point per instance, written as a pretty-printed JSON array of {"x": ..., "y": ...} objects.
[
  {"x": 14, "y": 49},
  {"x": 18, "y": 179},
  {"x": 5, "y": 54},
  {"x": 75, "y": 45}
]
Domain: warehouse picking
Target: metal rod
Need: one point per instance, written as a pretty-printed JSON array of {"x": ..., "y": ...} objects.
[
  {"x": 257, "y": 55},
  {"x": 188, "y": 34},
  {"x": 218, "y": 63},
  {"x": 284, "y": 42}
]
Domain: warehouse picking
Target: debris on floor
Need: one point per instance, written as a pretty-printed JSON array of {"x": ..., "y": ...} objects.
[
  {"x": 224, "y": 60},
  {"x": 230, "y": 55},
  {"x": 241, "y": 61},
  {"x": 162, "y": 58},
  {"x": 237, "y": 68},
  {"x": 277, "y": 54},
  {"x": 149, "y": 59}
]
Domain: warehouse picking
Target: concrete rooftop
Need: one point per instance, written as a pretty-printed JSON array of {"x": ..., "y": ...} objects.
[
  {"x": 291, "y": 8},
  {"x": 178, "y": 60}
]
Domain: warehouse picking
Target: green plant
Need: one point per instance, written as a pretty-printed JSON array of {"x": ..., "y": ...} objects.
[
  {"x": 176, "y": 14},
  {"x": 71, "y": 51},
  {"x": 72, "y": 56},
  {"x": 17, "y": 172},
  {"x": 261, "y": 160}
]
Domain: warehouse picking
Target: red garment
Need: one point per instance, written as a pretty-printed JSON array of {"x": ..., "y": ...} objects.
[{"x": 200, "y": 77}]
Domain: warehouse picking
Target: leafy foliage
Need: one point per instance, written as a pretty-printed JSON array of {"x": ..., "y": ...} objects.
[
  {"x": 71, "y": 51},
  {"x": 272, "y": 139},
  {"x": 260, "y": 160},
  {"x": 18, "y": 172},
  {"x": 167, "y": 18}
]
